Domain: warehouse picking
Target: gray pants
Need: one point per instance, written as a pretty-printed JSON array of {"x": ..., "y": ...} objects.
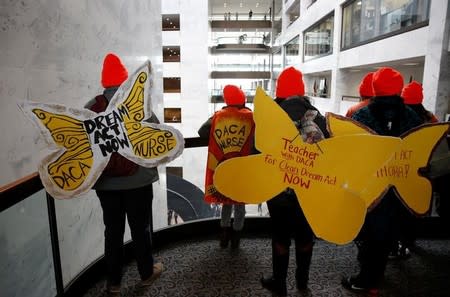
[{"x": 239, "y": 216}]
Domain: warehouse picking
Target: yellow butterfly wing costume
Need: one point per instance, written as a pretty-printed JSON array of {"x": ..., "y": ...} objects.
[
  {"x": 70, "y": 168},
  {"x": 84, "y": 140},
  {"x": 323, "y": 175},
  {"x": 403, "y": 168}
]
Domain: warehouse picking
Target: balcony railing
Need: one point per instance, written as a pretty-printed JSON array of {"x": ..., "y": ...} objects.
[
  {"x": 45, "y": 250},
  {"x": 34, "y": 233}
]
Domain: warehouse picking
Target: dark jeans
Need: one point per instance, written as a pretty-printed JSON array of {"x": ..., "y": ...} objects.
[
  {"x": 136, "y": 205},
  {"x": 289, "y": 221},
  {"x": 382, "y": 227}
]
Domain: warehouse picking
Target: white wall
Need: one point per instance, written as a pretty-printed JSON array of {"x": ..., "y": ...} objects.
[
  {"x": 398, "y": 47},
  {"x": 193, "y": 39}
]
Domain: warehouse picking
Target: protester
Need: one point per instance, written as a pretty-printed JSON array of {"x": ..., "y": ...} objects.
[
  {"x": 386, "y": 114},
  {"x": 365, "y": 91},
  {"x": 286, "y": 215},
  {"x": 230, "y": 132},
  {"x": 125, "y": 190},
  {"x": 412, "y": 95}
]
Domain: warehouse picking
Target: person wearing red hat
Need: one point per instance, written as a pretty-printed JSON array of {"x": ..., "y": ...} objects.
[
  {"x": 386, "y": 114},
  {"x": 286, "y": 215},
  {"x": 124, "y": 190},
  {"x": 412, "y": 95},
  {"x": 365, "y": 91},
  {"x": 230, "y": 132}
]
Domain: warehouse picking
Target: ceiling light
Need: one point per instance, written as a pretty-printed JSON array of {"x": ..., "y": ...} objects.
[
  {"x": 257, "y": 4},
  {"x": 410, "y": 64},
  {"x": 240, "y": 4},
  {"x": 224, "y": 4}
]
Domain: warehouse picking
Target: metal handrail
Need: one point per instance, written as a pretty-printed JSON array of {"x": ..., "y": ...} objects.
[{"x": 23, "y": 188}]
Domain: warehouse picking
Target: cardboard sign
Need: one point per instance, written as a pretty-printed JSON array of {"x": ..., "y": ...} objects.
[
  {"x": 403, "y": 168},
  {"x": 84, "y": 140},
  {"x": 335, "y": 180}
]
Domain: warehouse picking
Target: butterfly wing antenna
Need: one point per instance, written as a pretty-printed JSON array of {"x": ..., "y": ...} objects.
[
  {"x": 272, "y": 123},
  {"x": 250, "y": 179},
  {"x": 67, "y": 170},
  {"x": 405, "y": 169},
  {"x": 339, "y": 126}
]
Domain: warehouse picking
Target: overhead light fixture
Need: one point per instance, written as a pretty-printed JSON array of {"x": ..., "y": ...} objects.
[
  {"x": 257, "y": 4},
  {"x": 240, "y": 4},
  {"x": 224, "y": 4},
  {"x": 410, "y": 64}
]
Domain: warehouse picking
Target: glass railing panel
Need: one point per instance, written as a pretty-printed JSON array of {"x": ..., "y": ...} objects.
[
  {"x": 242, "y": 39},
  {"x": 247, "y": 92},
  {"x": 367, "y": 20},
  {"x": 233, "y": 16},
  {"x": 80, "y": 232},
  {"x": 26, "y": 263},
  {"x": 185, "y": 197},
  {"x": 318, "y": 40},
  {"x": 258, "y": 67}
]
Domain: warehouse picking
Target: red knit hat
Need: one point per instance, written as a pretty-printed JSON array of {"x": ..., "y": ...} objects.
[
  {"x": 387, "y": 81},
  {"x": 412, "y": 93},
  {"x": 290, "y": 83},
  {"x": 113, "y": 72},
  {"x": 365, "y": 87},
  {"x": 233, "y": 95}
]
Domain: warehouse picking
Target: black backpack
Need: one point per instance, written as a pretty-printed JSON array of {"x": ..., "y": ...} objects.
[{"x": 117, "y": 165}]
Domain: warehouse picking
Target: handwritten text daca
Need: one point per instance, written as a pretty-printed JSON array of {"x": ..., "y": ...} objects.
[{"x": 230, "y": 136}]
